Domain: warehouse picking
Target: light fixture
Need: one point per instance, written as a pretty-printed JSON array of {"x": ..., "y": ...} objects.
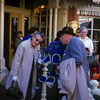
[{"x": 42, "y": 6}]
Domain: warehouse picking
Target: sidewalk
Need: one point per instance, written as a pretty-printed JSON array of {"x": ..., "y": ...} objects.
[
  {"x": 3, "y": 95},
  {"x": 51, "y": 92}
]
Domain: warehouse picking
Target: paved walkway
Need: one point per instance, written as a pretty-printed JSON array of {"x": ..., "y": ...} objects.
[
  {"x": 51, "y": 92},
  {"x": 3, "y": 95}
]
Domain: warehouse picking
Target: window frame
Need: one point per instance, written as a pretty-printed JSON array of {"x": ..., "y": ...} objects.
[{"x": 92, "y": 29}]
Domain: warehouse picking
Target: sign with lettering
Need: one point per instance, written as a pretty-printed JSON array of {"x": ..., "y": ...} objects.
[{"x": 89, "y": 11}]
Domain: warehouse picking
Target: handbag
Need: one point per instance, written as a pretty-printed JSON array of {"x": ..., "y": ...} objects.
[{"x": 14, "y": 91}]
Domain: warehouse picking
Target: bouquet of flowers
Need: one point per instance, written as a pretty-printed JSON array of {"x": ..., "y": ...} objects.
[
  {"x": 90, "y": 94},
  {"x": 52, "y": 53},
  {"x": 54, "y": 47}
]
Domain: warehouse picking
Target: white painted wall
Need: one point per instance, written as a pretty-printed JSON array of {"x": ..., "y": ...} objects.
[{"x": 62, "y": 18}]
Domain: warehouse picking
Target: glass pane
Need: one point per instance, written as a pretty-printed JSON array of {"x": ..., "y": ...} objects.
[
  {"x": 43, "y": 30},
  {"x": 85, "y": 22},
  {"x": 96, "y": 35},
  {"x": 96, "y": 24},
  {"x": 14, "y": 30},
  {"x": 89, "y": 34},
  {"x": 38, "y": 22},
  {"x": 47, "y": 32},
  {"x": 26, "y": 24},
  {"x": 44, "y": 11},
  {"x": 43, "y": 21},
  {"x": 89, "y": 24},
  {"x": 96, "y": 38},
  {"x": 48, "y": 21}
]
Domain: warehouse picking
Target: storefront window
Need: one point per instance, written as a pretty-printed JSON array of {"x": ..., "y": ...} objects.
[
  {"x": 96, "y": 24},
  {"x": 42, "y": 20},
  {"x": 93, "y": 25}
]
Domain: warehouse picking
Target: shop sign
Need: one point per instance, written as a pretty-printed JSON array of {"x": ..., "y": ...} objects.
[{"x": 89, "y": 11}]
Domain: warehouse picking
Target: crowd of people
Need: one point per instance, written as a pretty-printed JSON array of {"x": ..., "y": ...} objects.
[{"x": 75, "y": 50}]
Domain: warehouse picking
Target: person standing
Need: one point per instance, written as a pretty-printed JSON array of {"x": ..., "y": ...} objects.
[
  {"x": 88, "y": 44},
  {"x": 19, "y": 39},
  {"x": 74, "y": 49},
  {"x": 55, "y": 51},
  {"x": 86, "y": 41},
  {"x": 23, "y": 67}
]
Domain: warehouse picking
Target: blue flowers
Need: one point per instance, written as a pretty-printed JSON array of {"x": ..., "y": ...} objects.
[
  {"x": 53, "y": 54},
  {"x": 55, "y": 50},
  {"x": 55, "y": 47},
  {"x": 49, "y": 80}
]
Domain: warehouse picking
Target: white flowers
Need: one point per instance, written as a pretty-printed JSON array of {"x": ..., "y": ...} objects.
[
  {"x": 94, "y": 83},
  {"x": 90, "y": 94},
  {"x": 95, "y": 90}
]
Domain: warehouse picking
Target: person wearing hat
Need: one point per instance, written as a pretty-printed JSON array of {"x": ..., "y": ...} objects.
[
  {"x": 55, "y": 49},
  {"x": 74, "y": 49}
]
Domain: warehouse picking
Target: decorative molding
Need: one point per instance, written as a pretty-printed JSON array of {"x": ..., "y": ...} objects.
[
  {"x": 53, "y": 3},
  {"x": 17, "y": 10}
]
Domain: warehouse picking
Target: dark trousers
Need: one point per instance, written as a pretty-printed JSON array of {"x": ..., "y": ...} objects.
[{"x": 29, "y": 90}]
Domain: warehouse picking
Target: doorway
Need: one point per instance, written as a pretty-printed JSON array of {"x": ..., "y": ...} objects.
[{"x": 15, "y": 26}]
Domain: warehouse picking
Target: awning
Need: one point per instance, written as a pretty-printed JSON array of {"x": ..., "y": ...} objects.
[{"x": 96, "y": 1}]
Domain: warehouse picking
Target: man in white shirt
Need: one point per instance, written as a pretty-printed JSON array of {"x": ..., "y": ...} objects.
[{"x": 87, "y": 41}]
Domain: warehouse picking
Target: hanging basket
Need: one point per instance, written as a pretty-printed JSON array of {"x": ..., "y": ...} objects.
[{"x": 56, "y": 58}]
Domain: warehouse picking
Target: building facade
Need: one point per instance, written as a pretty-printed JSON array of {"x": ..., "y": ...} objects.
[{"x": 49, "y": 15}]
